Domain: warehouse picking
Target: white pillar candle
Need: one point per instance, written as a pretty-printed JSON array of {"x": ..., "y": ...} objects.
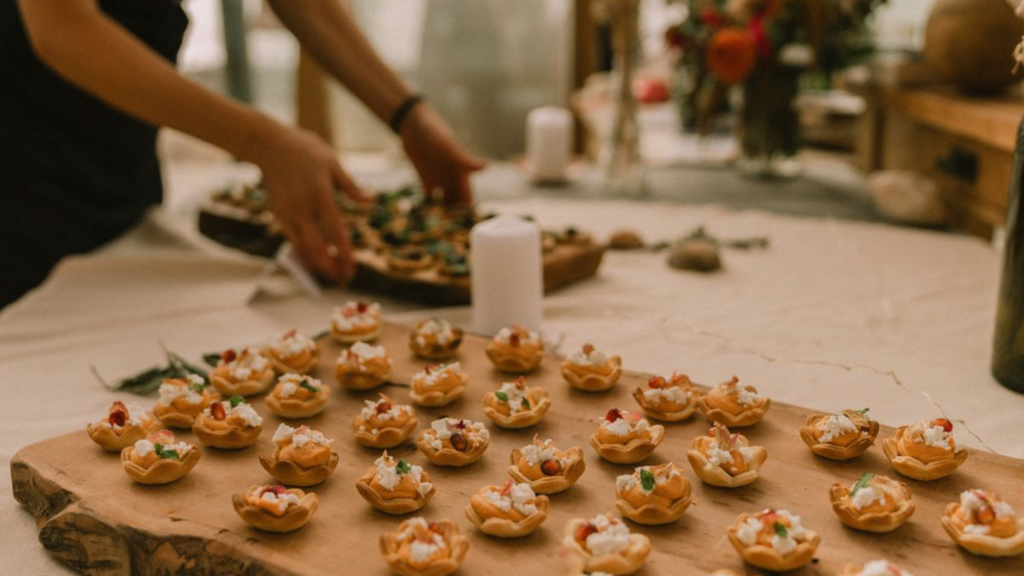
[
  {"x": 507, "y": 274},
  {"x": 549, "y": 133}
]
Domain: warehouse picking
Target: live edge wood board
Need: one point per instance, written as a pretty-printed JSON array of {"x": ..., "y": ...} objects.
[{"x": 94, "y": 518}]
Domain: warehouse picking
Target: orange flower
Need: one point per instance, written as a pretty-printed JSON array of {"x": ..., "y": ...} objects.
[{"x": 731, "y": 54}]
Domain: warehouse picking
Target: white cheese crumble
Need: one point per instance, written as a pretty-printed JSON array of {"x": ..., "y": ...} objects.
[
  {"x": 292, "y": 344},
  {"x": 717, "y": 456},
  {"x": 672, "y": 394},
  {"x": 170, "y": 392},
  {"x": 300, "y": 436},
  {"x": 388, "y": 476},
  {"x": 520, "y": 498},
  {"x": 443, "y": 429},
  {"x": 625, "y": 483},
  {"x": 595, "y": 358},
  {"x": 280, "y": 501},
  {"x": 248, "y": 364},
  {"x": 290, "y": 384},
  {"x": 504, "y": 336},
  {"x": 348, "y": 317},
  {"x": 394, "y": 412},
  {"x": 612, "y": 536},
  {"x": 882, "y": 568},
  {"x": 748, "y": 531},
  {"x": 441, "y": 330},
  {"x": 835, "y": 426},
  {"x": 144, "y": 447},
  {"x": 867, "y": 496},
  {"x": 746, "y": 396},
  {"x": 360, "y": 353},
  {"x": 516, "y": 397},
  {"x": 936, "y": 436},
  {"x": 429, "y": 377},
  {"x": 535, "y": 455}
]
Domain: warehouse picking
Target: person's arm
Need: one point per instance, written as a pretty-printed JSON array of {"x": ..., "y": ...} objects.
[
  {"x": 327, "y": 29},
  {"x": 79, "y": 42}
]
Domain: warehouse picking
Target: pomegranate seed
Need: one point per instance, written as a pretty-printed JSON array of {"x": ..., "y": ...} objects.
[
  {"x": 362, "y": 307},
  {"x": 383, "y": 407},
  {"x": 460, "y": 425},
  {"x": 513, "y": 340},
  {"x": 588, "y": 348},
  {"x": 656, "y": 382},
  {"x": 508, "y": 488},
  {"x": 118, "y": 414},
  {"x": 459, "y": 442},
  {"x": 436, "y": 528},
  {"x": 945, "y": 424},
  {"x": 613, "y": 415},
  {"x": 520, "y": 383},
  {"x": 217, "y": 411},
  {"x": 291, "y": 333},
  {"x": 551, "y": 467},
  {"x": 228, "y": 356},
  {"x": 583, "y": 531}
]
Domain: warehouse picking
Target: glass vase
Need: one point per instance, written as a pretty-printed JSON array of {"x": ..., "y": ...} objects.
[
  {"x": 620, "y": 159},
  {"x": 769, "y": 128}
]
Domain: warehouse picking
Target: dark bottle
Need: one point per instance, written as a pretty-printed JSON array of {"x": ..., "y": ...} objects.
[{"x": 1008, "y": 345}]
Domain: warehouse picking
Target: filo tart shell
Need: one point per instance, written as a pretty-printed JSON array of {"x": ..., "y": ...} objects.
[
  {"x": 362, "y": 380},
  {"x": 715, "y": 476},
  {"x": 232, "y": 438},
  {"x": 295, "y": 517},
  {"x": 505, "y": 528},
  {"x": 626, "y": 562},
  {"x": 172, "y": 418},
  {"x": 767, "y": 558},
  {"x": 456, "y": 541},
  {"x": 393, "y": 506},
  {"x": 653, "y": 514},
  {"x": 747, "y": 417},
  {"x": 294, "y": 409},
  {"x": 983, "y": 544},
  {"x": 450, "y": 457},
  {"x": 655, "y": 414},
  {"x": 435, "y": 398},
  {"x": 110, "y": 441},
  {"x": 539, "y": 404},
  {"x": 834, "y": 451},
  {"x": 245, "y": 387},
  {"x": 387, "y": 437},
  {"x": 916, "y": 469},
  {"x": 636, "y": 450},
  {"x": 560, "y": 482},
  {"x": 872, "y": 521},
  {"x": 513, "y": 363},
  {"x": 436, "y": 351},
  {"x": 593, "y": 382},
  {"x": 163, "y": 471},
  {"x": 291, "y": 474},
  {"x": 350, "y": 338},
  {"x": 282, "y": 367}
]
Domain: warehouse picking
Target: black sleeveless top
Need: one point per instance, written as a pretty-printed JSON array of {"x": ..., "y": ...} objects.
[{"x": 74, "y": 172}]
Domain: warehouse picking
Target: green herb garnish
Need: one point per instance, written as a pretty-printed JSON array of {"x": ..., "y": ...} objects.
[
  {"x": 501, "y": 396},
  {"x": 403, "y": 467},
  {"x": 197, "y": 387},
  {"x": 171, "y": 454},
  {"x": 321, "y": 335},
  {"x": 862, "y": 483},
  {"x": 647, "y": 479},
  {"x": 305, "y": 384},
  {"x": 236, "y": 400},
  {"x": 526, "y": 403},
  {"x": 780, "y": 530},
  {"x": 212, "y": 358}
]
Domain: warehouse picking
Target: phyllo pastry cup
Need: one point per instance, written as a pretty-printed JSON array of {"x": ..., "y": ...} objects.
[
  {"x": 591, "y": 370},
  {"x": 509, "y": 511},
  {"x": 292, "y": 353},
  {"x": 872, "y": 568},
  {"x": 395, "y": 486},
  {"x": 298, "y": 396},
  {"x": 363, "y": 367},
  {"x": 839, "y": 436},
  {"x": 773, "y": 540},
  {"x": 925, "y": 451},
  {"x": 604, "y": 544},
  {"x": 121, "y": 428},
  {"x": 454, "y": 442},
  {"x": 545, "y": 468},
  {"x": 516, "y": 349},
  {"x": 724, "y": 459},
  {"x": 229, "y": 425},
  {"x": 435, "y": 339},
  {"x": 159, "y": 459},
  {"x": 516, "y": 406},
  {"x": 984, "y": 525},
  {"x": 672, "y": 400},
  {"x": 182, "y": 400},
  {"x": 438, "y": 385},
  {"x": 303, "y": 457},
  {"x": 244, "y": 373},
  {"x": 356, "y": 322},
  {"x": 733, "y": 404},
  {"x": 873, "y": 504},
  {"x": 653, "y": 495},
  {"x": 626, "y": 437},
  {"x": 419, "y": 548},
  {"x": 384, "y": 423},
  {"x": 275, "y": 508}
]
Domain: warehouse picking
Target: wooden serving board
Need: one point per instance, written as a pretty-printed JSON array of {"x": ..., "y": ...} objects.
[{"x": 93, "y": 517}]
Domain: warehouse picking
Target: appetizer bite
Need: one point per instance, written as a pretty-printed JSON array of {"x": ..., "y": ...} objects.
[
  {"x": 509, "y": 511},
  {"x": 229, "y": 424},
  {"x": 435, "y": 339},
  {"x": 121, "y": 428},
  {"x": 653, "y": 494},
  {"x": 626, "y": 437},
  {"x": 605, "y": 545},
  {"x": 545, "y": 468},
  {"x": 672, "y": 400},
  {"x": 984, "y": 525},
  {"x": 356, "y": 322},
  {"x": 408, "y": 259},
  {"x": 292, "y": 353},
  {"x": 925, "y": 451},
  {"x": 298, "y": 396},
  {"x": 363, "y": 367},
  {"x": 874, "y": 568},
  {"x": 839, "y": 436},
  {"x": 159, "y": 459},
  {"x": 773, "y": 540},
  {"x": 734, "y": 405},
  {"x": 438, "y": 385},
  {"x": 724, "y": 459},
  {"x": 420, "y": 548},
  {"x": 384, "y": 423},
  {"x": 181, "y": 400},
  {"x": 873, "y": 504},
  {"x": 515, "y": 405},
  {"x": 303, "y": 457},
  {"x": 275, "y": 508},
  {"x": 454, "y": 442},
  {"x": 516, "y": 350},
  {"x": 590, "y": 370},
  {"x": 395, "y": 486},
  {"x": 244, "y": 374}
]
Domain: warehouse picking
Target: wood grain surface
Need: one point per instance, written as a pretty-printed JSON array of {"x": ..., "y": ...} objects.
[{"x": 94, "y": 518}]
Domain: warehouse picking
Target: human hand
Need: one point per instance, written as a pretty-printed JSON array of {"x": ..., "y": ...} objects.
[{"x": 439, "y": 159}]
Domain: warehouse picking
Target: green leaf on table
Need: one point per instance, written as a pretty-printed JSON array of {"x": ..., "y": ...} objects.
[
  {"x": 212, "y": 359},
  {"x": 321, "y": 335}
]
